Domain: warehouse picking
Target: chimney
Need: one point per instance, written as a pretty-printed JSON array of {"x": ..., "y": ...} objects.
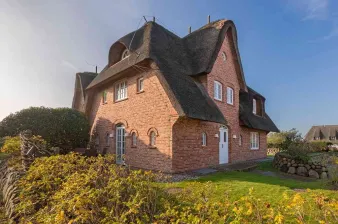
[
  {"x": 96, "y": 69},
  {"x": 208, "y": 19},
  {"x": 154, "y": 19},
  {"x": 189, "y": 29}
]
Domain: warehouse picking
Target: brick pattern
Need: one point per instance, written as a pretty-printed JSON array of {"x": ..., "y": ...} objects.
[
  {"x": 188, "y": 152},
  {"x": 139, "y": 113},
  {"x": 179, "y": 141}
]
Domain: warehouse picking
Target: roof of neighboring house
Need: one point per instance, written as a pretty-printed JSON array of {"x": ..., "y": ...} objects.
[
  {"x": 179, "y": 60},
  {"x": 323, "y": 132}
]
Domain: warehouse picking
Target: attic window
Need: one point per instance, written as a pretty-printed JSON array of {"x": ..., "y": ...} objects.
[
  {"x": 257, "y": 107},
  {"x": 224, "y": 56},
  {"x": 217, "y": 90},
  {"x": 125, "y": 54}
]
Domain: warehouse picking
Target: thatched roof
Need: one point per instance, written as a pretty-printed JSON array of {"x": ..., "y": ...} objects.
[{"x": 179, "y": 60}]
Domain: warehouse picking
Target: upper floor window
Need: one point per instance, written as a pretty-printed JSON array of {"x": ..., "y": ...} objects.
[
  {"x": 104, "y": 97},
  {"x": 254, "y": 106},
  {"x": 230, "y": 95},
  {"x": 140, "y": 85},
  {"x": 125, "y": 54},
  {"x": 121, "y": 91},
  {"x": 204, "y": 139},
  {"x": 224, "y": 56},
  {"x": 217, "y": 90},
  {"x": 254, "y": 140}
]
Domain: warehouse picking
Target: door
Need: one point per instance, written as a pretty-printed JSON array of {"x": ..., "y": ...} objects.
[
  {"x": 120, "y": 144},
  {"x": 223, "y": 146}
]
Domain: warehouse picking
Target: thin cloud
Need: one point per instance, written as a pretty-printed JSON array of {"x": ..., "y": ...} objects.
[
  {"x": 69, "y": 65},
  {"x": 316, "y": 9}
]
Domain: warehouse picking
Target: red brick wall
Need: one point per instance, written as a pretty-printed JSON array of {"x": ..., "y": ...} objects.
[
  {"x": 140, "y": 112},
  {"x": 225, "y": 73},
  {"x": 188, "y": 152}
]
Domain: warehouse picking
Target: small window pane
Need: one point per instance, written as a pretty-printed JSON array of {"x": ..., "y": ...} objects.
[
  {"x": 204, "y": 139},
  {"x": 121, "y": 91},
  {"x": 152, "y": 138},
  {"x": 230, "y": 95},
  {"x": 134, "y": 139},
  {"x": 140, "y": 85},
  {"x": 217, "y": 90},
  {"x": 254, "y": 106}
]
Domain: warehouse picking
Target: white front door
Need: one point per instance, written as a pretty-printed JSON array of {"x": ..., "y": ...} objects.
[
  {"x": 120, "y": 144},
  {"x": 223, "y": 146}
]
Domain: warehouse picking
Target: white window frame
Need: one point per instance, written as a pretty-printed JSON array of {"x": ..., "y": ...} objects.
[
  {"x": 121, "y": 91},
  {"x": 230, "y": 96},
  {"x": 254, "y": 106},
  {"x": 140, "y": 84},
  {"x": 204, "y": 139},
  {"x": 254, "y": 140},
  {"x": 125, "y": 54},
  {"x": 134, "y": 139},
  {"x": 152, "y": 138},
  {"x": 217, "y": 90},
  {"x": 104, "y": 97}
]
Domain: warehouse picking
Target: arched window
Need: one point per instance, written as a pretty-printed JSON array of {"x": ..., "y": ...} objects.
[
  {"x": 204, "y": 139},
  {"x": 134, "y": 139},
  {"x": 152, "y": 138},
  {"x": 125, "y": 54},
  {"x": 107, "y": 139},
  {"x": 224, "y": 56}
]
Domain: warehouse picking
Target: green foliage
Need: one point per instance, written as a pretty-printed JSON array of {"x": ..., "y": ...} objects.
[
  {"x": 283, "y": 138},
  {"x": 72, "y": 188},
  {"x": 11, "y": 145},
  {"x": 61, "y": 127},
  {"x": 75, "y": 189}
]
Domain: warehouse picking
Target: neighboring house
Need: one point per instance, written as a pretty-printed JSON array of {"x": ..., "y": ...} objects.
[
  {"x": 175, "y": 104},
  {"x": 327, "y": 133}
]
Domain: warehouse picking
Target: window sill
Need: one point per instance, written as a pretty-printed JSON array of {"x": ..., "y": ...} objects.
[
  {"x": 116, "y": 101},
  {"x": 255, "y": 149},
  {"x": 133, "y": 146},
  {"x": 219, "y": 100},
  {"x": 152, "y": 147},
  {"x": 138, "y": 92},
  {"x": 105, "y": 103},
  {"x": 230, "y": 104}
]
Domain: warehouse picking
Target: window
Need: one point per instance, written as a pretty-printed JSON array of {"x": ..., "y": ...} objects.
[
  {"x": 204, "y": 139},
  {"x": 254, "y": 106},
  {"x": 217, "y": 90},
  {"x": 140, "y": 85},
  {"x": 134, "y": 139},
  {"x": 254, "y": 140},
  {"x": 224, "y": 56},
  {"x": 240, "y": 140},
  {"x": 104, "y": 97},
  {"x": 230, "y": 95},
  {"x": 121, "y": 91},
  {"x": 125, "y": 54},
  {"x": 107, "y": 140},
  {"x": 152, "y": 138}
]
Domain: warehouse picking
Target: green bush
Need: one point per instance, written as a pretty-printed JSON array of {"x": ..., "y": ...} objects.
[
  {"x": 61, "y": 127},
  {"x": 74, "y": 189},
  {"x": 11, "y": 145}
]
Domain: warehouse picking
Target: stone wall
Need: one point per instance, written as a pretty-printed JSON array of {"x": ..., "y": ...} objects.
[{"x": 287, "y": 164}]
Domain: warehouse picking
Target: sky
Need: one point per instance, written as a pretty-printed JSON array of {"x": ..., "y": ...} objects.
[{"x": 289, "y": 49}]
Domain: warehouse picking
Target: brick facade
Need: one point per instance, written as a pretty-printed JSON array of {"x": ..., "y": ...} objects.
[{"x": 179, "y": 141}]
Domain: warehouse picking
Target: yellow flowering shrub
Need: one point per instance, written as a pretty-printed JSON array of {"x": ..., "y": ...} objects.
[{"x": 74, "y": 189}]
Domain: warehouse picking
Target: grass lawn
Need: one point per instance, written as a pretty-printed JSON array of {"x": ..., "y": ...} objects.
[{"x": 268, "y": 188}]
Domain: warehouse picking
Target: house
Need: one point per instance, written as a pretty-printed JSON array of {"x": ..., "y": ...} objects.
[
  {"x": 175, "y": 104},
  {"x": 327, "y": 133}
]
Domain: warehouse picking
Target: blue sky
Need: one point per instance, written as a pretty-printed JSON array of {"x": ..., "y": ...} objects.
[{"x": 289, "y": 49}]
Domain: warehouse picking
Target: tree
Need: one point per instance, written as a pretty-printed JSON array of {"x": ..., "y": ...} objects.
[
  {"x": 284, "y": 137},
  {"x": 60, "y": 127}
]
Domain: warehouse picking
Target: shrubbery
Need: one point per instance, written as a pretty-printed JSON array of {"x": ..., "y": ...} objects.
[
  {"x": 73, "y": 189},
  {"x": 11, "y": 145},
  {"x": 61, "y": 127}
]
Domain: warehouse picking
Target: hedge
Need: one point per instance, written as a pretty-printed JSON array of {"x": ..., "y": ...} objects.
[{"x": 60, "y": 127}]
